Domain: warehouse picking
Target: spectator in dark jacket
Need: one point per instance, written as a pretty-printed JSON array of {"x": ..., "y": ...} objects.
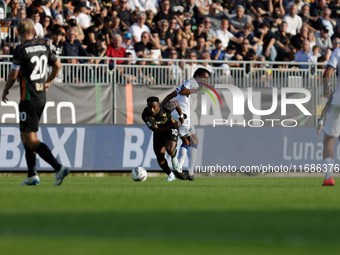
[{"x": 73, "y": 47}]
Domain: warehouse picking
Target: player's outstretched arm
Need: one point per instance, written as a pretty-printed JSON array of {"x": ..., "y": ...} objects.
[
  {"x": 180, "y": 113},
  {"x": 55, "y": 70},
  {"x": 186, "y": 91},
  {"x": 170, "y": 96},
  {"x": 12, "y": 76}
]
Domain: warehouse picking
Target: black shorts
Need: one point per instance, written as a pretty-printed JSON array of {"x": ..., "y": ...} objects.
[
  {"x": 160, "y": 139},
  {"x": 30, "y": 112}
]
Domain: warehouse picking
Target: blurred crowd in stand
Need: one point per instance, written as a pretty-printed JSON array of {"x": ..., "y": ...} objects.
[{"x": 244, "y": 30}]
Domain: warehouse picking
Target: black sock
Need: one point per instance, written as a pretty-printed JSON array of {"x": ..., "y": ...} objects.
[
  {"x": 45, "y": 153},
  {"x": 31, "y": 161},
  {"x": 165, "y": 167}
]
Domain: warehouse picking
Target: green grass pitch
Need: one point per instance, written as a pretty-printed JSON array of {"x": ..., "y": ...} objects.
[{"x": 114, "y": 215}]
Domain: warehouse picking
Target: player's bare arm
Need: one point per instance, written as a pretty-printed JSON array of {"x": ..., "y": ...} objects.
[
  {"x": 183, "y": 92},
  {"x": 55, "y": 70},
  {"x": 186, "y": 92},
  {"x": 177, "y": 107},
  {"x": 326, "y": 79},
  {"x": 172, "y": 95},
  {"x": 323, "y": 115},
  {"x": 180, "y": 113},
  {"x": 12, "y": 77},
  {"x": 327, "y": 93}
]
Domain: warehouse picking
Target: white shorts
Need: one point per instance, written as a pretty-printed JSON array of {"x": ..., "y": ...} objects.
[
  {"x": 186, "y": 129},
  {"x": 192, "y": 130},
  {"x": 332, "y": 121}
]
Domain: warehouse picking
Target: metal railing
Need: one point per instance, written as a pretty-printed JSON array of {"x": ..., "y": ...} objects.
[
  {"x": 175, "y": 72},
  {"x": 8, "y": 34},
  {"x": 85, "y": 71},
  {"x": 5, "y": 67},
  {"x": 239, "y": 73}
]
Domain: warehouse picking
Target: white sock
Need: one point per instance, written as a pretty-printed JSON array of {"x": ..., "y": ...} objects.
[
  {"x": 182, "y": 155},
  {"x": 192, "y": 155},
  {"x": 174, "y": 163},
  {"x": 329, "y": 162}
]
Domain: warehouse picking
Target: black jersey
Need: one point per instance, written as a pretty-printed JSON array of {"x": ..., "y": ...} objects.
[
  {"x": 33, "y": 57},
  {"x": 162, "y": 119}
]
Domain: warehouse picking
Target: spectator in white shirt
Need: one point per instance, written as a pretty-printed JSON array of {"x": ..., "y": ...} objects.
[
  {"x": 144, "y": 5},
  {"x": 83, "y": 19},
  {"x": 39, "y": 30},
  {"x": 294, "y": 21},
  {"x": 138, "y": 28},
  {"x": 225, "y": 36}
]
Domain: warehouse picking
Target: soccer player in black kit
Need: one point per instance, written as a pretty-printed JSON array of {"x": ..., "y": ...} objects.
[
  {"x": 165, "y": 132},
  {"x": 30, "y": 62}
]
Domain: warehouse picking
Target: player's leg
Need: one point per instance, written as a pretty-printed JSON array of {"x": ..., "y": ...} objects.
[
  {"x": 171, "y": 149},
  {"x": 25, "y": 124},
  {"x": 160, "y": 154},
  {"x": 45, "y": 153},
  {"x": 30, "y": 161},
  {"x": 331, "y": 130},
  {"x": 193, "y": 141},
  {"x": 183, "y": 152},
  {"x": 32, "y": 175},
  {"x": 30, "y": 113},
  {"x": 182, "y": 131},
  {"x": 192, "y": 155},
  {"x": 163, "y": 163},
  {"x": 328, "y": 159},
  {"x": 171, "y": 138},
  {"x": 31, "y": 140},
  {"x": 159, "y": 149}
]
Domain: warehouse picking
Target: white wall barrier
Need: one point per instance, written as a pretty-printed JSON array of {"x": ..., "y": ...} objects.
[{"x": 113, "y": 148}]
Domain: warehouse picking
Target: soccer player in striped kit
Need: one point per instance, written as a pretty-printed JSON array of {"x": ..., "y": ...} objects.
[{"x": 30, "y": 61}]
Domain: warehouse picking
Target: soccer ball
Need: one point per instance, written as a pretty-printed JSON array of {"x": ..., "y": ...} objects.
[{"x": 139, "y": 174}]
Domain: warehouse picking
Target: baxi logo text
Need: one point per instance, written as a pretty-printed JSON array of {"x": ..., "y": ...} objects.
[
  {"x": 66, "y": 143},
  {"x": 239, "y": 97}
]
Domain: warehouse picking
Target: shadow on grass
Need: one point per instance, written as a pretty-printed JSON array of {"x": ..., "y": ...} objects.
[{"x": 286, "y": 226}]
